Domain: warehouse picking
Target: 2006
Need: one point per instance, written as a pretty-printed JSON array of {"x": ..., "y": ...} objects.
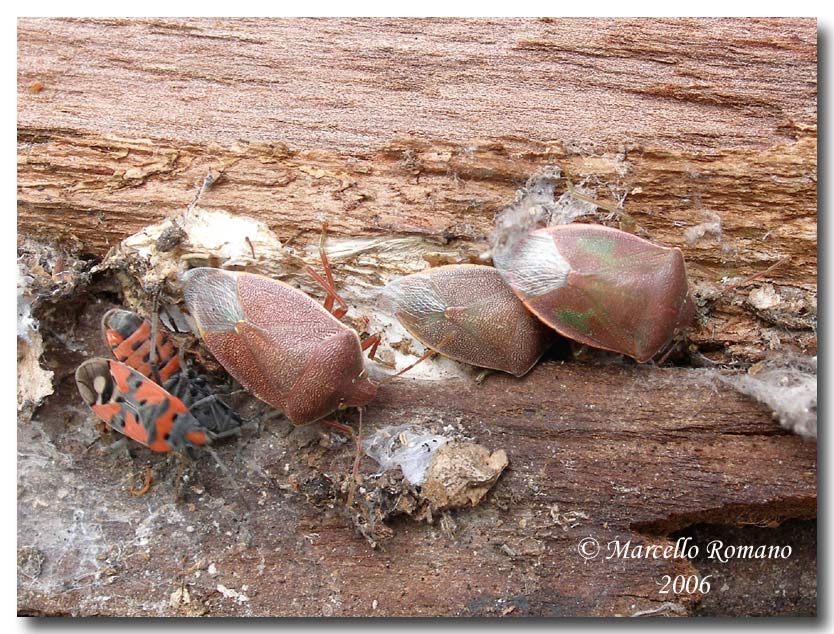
[{"x": 681, "y": 584}]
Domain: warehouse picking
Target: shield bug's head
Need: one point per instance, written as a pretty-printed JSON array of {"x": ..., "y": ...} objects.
[
  {"x": 467, "y": 313},
  {"x": 602, "y": 287},
  {"x": 359, "y": 393}
]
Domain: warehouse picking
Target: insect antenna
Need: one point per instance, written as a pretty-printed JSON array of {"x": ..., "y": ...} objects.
[
  {"x": 229, "y": 477},
  {"x": 758, "y": 275},
  {"x": 154, "y": 329},
  {"x": 602, "y": 205},
  {"x": 427, "y": 355}
]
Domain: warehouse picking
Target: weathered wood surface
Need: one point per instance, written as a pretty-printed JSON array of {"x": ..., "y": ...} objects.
[
  {"x": 612, "y": 452},
  {"x": 427, "y": 128}
]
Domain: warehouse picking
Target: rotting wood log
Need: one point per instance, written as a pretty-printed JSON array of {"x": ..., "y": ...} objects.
[
  {"x": 700, "y": 125},
  {"x": 706, "y": 129}
]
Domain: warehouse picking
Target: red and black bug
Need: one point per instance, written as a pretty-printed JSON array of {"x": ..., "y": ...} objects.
[{"x": 146, "y": 395}]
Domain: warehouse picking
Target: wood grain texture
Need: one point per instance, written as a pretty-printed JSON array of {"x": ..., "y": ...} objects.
[
  {"x": 617, "y": 453},
  {"x": 352, "y": 84},
  {"x": 428, "y": 128}
]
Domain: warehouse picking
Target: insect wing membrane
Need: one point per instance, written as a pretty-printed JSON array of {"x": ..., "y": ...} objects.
[{"x": 212, "y": 299}]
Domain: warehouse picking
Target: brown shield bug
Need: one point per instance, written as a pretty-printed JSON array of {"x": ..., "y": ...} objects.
[
  {"x": 279, "y": 343},
  {"x": 467, "y": 312},
  {"x": 600, "y": 286}
]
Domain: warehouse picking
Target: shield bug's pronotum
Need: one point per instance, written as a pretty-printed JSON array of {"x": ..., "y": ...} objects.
[
  {"x": 600, "y": 286},
  {"x": 467, "y": 312}
]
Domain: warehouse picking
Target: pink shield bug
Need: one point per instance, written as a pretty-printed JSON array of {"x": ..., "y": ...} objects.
[
  {"x": 467, "y": 312},
  {"x": 600, "y": 286},
  {"x": 279, "y": 343}
]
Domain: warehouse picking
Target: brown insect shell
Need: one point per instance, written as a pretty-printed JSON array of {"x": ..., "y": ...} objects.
[
  {"x": 468, "y": 313},
  {"x": 602, "y": 287},
  {"x": 278, "y": 343}
]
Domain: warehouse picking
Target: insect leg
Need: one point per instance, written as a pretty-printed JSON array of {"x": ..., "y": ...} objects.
[
  {"x": 153, "y": 352},
  {"x": 357, "y": 438},
  {"x": 355, "y": 474},
  {"x": 332, "y": 295},
  {"x": 482, "y": 375},
  {"x": 229, "y": 477},
  {"x": 329, "y": 285},
  {"x": 145, "y": 487},
  {"x": 371, "y": 342}
]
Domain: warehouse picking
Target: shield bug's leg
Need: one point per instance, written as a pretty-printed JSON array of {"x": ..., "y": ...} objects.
[
  {"x": 482, "y": 375},
  {"x": 328, "y": 285},
  {"x": 338, "y": 427},
  {"x": 602, "y": 205},
  {"x": 357, "y": 438},
  {"x": 371, "y": 342},
  {"x": 666, "y": 354},
  {"x": 332, "y": 295},
  {"x": 323, "y": 255},
  {"x": 355, "y": 475},
  {"x": 145, "y": 487}
]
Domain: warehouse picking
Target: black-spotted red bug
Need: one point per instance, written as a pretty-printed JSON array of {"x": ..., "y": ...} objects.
[
  {"x": 129, "y": 337},
  {"x": 135, "y": 406},
  {"x": 180, "y": 414},
  {"x": 467, "y": 312},
  {"x": 600, "y": 286}
]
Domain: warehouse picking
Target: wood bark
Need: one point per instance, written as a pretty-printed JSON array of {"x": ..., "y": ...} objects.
[{"x": 706, "y": 129}]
